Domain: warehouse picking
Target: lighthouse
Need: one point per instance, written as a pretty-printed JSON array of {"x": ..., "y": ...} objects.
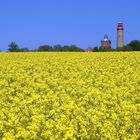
[
  {"x": 106, "y": 43},
  {"x": 120, "y": 37}
]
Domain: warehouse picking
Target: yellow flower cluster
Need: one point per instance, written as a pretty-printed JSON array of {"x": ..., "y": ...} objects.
[{"x": 70, "y": 96}]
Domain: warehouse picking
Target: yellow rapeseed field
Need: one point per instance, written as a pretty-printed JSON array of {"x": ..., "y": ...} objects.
[{"x": 70, "y": 96}]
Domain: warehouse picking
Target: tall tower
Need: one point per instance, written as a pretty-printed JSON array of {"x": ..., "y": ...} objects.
[{"x": 120, "y": 39}]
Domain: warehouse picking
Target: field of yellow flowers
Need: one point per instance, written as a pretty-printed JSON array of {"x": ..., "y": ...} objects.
[{"x": 70, "y": 96}]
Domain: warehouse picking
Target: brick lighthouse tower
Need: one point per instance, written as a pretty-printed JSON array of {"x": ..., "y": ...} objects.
[
  {"x": 120, "y": 39},
  {"x": 106, "y": 43}
]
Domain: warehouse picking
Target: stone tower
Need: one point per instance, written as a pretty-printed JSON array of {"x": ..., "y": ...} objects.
[
  {"x": 106, "y": 43},
  {"x": 120, "y": 39}
]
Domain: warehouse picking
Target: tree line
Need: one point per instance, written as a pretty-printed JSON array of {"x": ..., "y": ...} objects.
[
  {"x": 132, "y": 46},
  {"x": 13, "y": 47}
]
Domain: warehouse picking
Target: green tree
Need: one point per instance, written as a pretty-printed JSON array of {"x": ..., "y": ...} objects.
[
  {"x": 13, "y": 47},
  {"x": 95, "y": 49},
  {"x": 128, "y": 48},
  {"x": 57, "y": 48},
  {"x": 65, "y": 48},
  {"x": 105, "y": 49},
  {"x": 134, "y": 45},
  {"x": 74, "y": 48},
  {"x": 45, "y": 48},
  {"x": 24, "y": 50}
]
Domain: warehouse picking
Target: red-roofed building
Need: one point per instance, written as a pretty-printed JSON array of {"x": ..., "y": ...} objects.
[{"x": 89, "y": 49}]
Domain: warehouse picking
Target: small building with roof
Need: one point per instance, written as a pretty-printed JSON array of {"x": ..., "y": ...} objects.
[{"x": 89, "y": 49}]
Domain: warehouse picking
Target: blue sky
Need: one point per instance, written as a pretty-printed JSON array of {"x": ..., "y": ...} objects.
[{"x": 31, "y": 23}]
